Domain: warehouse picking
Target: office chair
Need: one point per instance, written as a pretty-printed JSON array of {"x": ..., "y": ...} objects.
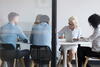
[
  {"x": 61, "y": 58},
  {"x": 87, "y": 58},
  {"x": 8, "y": 52},
  {"x": 41, "y": 55},
  {"x": 92, "y": 55}
]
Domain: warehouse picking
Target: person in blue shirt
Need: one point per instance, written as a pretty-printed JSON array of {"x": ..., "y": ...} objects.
[
  {"x": 41, "y": 32},
  {"x": 10, "y": 33}
]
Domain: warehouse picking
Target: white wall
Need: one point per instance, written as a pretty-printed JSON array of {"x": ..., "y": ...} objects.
[
  {"x": 81, "y": 9},
  {"x": 28, "y": 10}
]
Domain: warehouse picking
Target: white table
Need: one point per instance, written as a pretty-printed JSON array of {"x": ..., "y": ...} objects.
[
  {"x": 65, "y": 46},
  {"x": 24, "y": 45},
  {"x": 68, "y": 45}
]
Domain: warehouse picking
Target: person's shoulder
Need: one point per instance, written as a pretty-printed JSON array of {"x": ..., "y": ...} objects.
[
  {"x": 18, "y": 27},
  {"x": 65, "y": 27},
  {"x": 98, "y": 29},
  {"x": 45, "y": 24},
  {"x": 36, "y": 26},
  {"x": 48, "y": 25},
  {"x": 78, "y": 29},
  {"x": 99, "y": 26},
  {"x": 5, "y": 25}
]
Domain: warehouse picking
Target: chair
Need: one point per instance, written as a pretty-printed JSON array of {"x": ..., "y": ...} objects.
[
  {"x": 61, "y": 58},
  {"x": 87, "y": 58},
  {"x": 41, "y": 55},
  {"x": 8, "y": 52},
  {"x": 92, "y": 55}
]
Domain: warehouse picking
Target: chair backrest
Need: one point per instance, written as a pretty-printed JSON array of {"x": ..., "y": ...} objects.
[
  {"x": 7, "y": 51},
  {"x": 91, "y": 54},
  {"x": 6, "y": 46},
  {"x": 40, "y": 54}
]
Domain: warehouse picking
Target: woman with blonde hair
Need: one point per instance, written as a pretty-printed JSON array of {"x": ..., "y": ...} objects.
[{"x": 70, "y": 33}]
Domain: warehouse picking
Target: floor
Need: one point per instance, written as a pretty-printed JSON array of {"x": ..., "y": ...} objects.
[{"x": 92, "y": 63}]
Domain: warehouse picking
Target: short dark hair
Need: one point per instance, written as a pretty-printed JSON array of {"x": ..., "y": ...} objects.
[
  {"x": 94, "y": 20},
  {"x": 11, "y": 15}
]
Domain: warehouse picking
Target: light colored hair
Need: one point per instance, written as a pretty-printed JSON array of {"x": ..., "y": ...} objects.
[
  {"x": 73, "y": 18},
  {"x": 11, "y": 15}
]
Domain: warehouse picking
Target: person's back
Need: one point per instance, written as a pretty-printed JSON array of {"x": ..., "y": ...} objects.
[
  {"x": 9, "y": 33},
  {"x": 41, "y": 32}
]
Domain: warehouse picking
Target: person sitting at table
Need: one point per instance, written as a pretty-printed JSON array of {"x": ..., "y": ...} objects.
[
  {"x": 41, "y": 32},
  {"x": 10, "y": 32},
  {"x": 94, "y": 21},
  {"x": 71, "y": 33}
]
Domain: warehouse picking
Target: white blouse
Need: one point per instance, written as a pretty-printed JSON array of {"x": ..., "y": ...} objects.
[
  {"x": 68, "y": 33},
  {"x": 95, "y": 38}
]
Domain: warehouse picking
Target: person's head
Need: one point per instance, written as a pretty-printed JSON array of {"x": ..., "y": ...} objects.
[
  {"x": 13, "y": 17},
  {"x": 94, "y": 20},
  {"x": 37, "y": 21},
  {"x": 72, "y": 22},
  {"x": 44, "y": 18}
]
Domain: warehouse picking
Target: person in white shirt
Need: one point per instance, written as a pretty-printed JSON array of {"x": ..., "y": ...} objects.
[
  {"x": 70, "y": 33},
  {"x": 94, "y": 21}
]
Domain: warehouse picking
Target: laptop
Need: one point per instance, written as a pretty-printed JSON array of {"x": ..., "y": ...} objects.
[{"x": 68, "y": 37}]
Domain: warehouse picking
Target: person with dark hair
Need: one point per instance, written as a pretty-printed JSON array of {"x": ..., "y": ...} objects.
[
  {"x": 94, "y": 21},
  {"x": 10, "y": 32}
]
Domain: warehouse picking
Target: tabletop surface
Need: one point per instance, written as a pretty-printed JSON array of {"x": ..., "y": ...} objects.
[{"x": 83, "y": 43}]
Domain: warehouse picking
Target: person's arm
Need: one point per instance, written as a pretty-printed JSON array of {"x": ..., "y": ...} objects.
[
  {"x": 61, "y": 32},
  {"x": 22, "y": 36},
  {"x": 0, "y": 33},
  {"x": 93, "y": 36},
  {"x": 1, "y": 28},
  {"x": 80, "y": 34},
  {"x": 31, "y": 37},
  {"x": 77, "y": 34}
]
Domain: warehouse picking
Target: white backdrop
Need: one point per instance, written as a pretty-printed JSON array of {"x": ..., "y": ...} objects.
[
  {"x": 81, "y": 9},
  {"x": 28, "y": 10}
]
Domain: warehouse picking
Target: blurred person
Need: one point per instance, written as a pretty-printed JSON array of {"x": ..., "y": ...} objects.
[
  {"x": 41, "y": 31},
  {"x": 70, "y": 33},
  {"x": 94, "y": 21},
  {"x": 37, "y": 21},
  {"x": 10, "y": 33}
]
